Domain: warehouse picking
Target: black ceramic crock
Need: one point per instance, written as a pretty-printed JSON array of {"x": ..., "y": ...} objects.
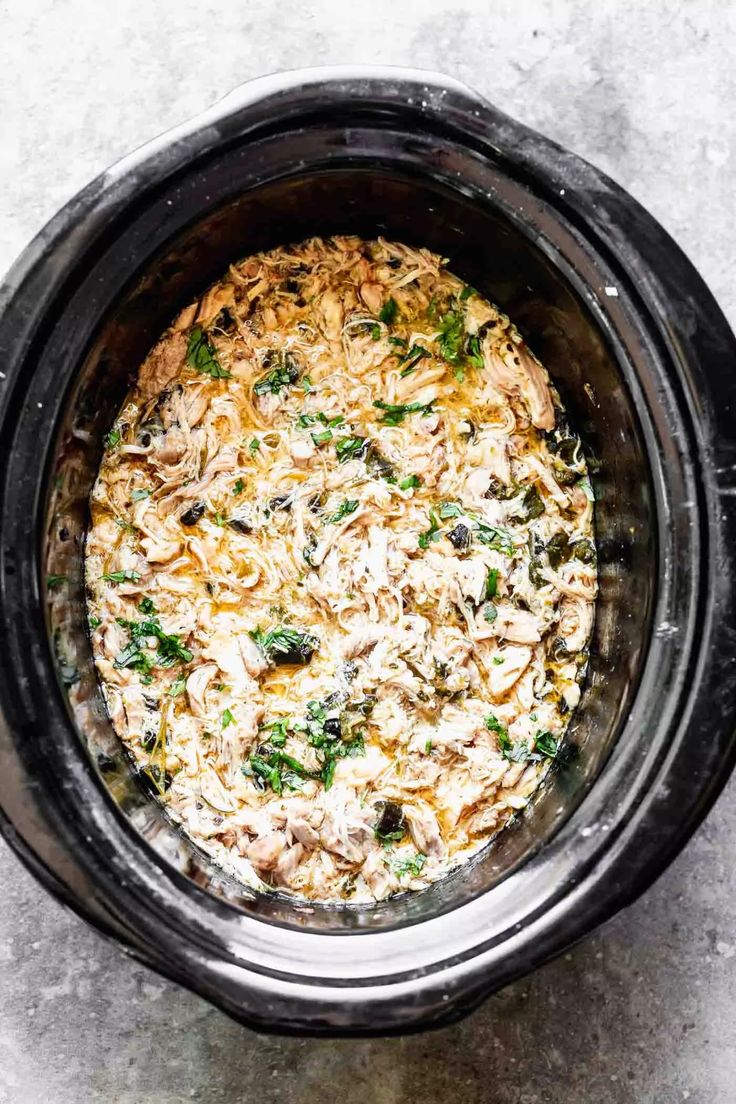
[{"x": 645, "y": 364}]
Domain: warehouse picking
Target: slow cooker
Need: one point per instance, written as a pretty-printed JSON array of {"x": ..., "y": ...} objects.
[{"x": 645, "y": 363}]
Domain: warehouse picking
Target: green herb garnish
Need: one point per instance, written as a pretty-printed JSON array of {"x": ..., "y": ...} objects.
[
  {"x": 238, "y": 487},
  {"x": 254, "y": 445},
  {"x": 467, "y": 292},
  {"x": 111, "y": 439},
  {"x": 491, "y": 583},
  {"x": 227, "y": 718},
  {"x": 349, "y": 448},
  {"x": 451, "y": 337},
  {"x": 53, "y": 582},
  {"x": 202, "y": 356},
  {"x": 394, "y": 413},
  {"x": 282, "y": 376},
  {"x": 410, "y": 866},
  {"x": 139, "y": 495},
  {"x": 177, "y": 687},
  {"x": 389, "y": 312},
  {"x": 122, "y": 576},
  {"x": 409, "y": 482},
  {"x": 349, "y": 506},
  {"x": 412, "y": 358},
  {"x": 286, "y": 645},
  {"x": 433, "y": 533}
]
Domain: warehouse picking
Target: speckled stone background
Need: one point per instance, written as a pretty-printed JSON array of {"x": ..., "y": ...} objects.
[{"x": 645, "y": 1011}]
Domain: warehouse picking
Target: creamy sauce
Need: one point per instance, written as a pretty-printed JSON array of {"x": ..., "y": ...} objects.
[{"x": 341, "y": 570}]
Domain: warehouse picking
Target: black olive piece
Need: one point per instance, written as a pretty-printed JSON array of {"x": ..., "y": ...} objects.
[
  {"x": 583, "y": 550},
  {"x": 193, "y": 514},
  {"x": 502, "y": 491},
  {"x": 332, "y": 700},
  {"x": 224, "y": 320},
  {"x": 532, "y": 503},
  {"x": 367, "y": 705},
  {"x": 333, "y": 727},
  {"x": 459, "y": 536},
  {"x": 291, "y": 286},
  {"x": 394, "y": 263},
  {"x": 150, "y": 702},
  {"x": 149, "y": 741},
  {"x": 558, "y": 549},
  {"x": 239, "y": 525},
  {"x": 294, "y": 656},
  {"x": 144, "y": 439},
  {"x": 390, "y": 823},
  {"x": 280, "y": 502},
  {"x": 379, "y": 465}
]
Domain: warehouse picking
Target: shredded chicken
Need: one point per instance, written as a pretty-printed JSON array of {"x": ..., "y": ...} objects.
[{"x": 341, "y": 570}]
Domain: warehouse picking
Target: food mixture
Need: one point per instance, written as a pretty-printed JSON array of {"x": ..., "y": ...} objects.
[{"x": 341, "y": 570}]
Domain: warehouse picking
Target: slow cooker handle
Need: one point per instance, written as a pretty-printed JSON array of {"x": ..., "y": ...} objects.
[{"x": 436, "y": 92}]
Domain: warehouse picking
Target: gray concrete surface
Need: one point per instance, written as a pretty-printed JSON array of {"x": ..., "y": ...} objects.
[{"x": 642, "y": 1012}]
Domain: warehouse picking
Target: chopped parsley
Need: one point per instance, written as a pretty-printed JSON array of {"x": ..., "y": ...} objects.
[
  {"x": 349, "y": 448},
  {"x": 349, "y": 506},
  {"x": 146, "y": 606},
  {"x": 490, "y": 613},
  {"x": 111, "y": 439},
  {"x": 238, "y": 487},
  {"x": 284, "y": 375},
  {"x": 306, "y": 384},
  {"x": 433, "y": 533},
  {"x": 322, "y": 437},
  {"x": 170, "y": 648},
  {"x": 451, "y": 338},
  {"x": 94, "y": 623},
  {"x": 493, "y": 724},
  {"x": 467, "y": 292},
  {"x": 389, "y": 312},
  {"x": 254, "y": 445},
  {"x": 545, "y": 744},
  {"x": 492, "y": 537},
  {"x": 227, "y": 718},
  {"x": 122, "y": 576},
  {"x": 473, "y": 351},
  {"x": 306, "y": 420},
  {"x": 412, "y": 358},
  {"x": 413, "y": 866},
  {"x": 177, "y": 687},
  {"x": 202, "y": 356},
  {"x": 394, "y": 413},
  {"x": 53, "y": 582},
  {"x": 286, "y": 645},
  {"x": 491, "y": 583},
  {"x": 375, "y": 331},
  {"x": 139, "y": 495},
  {"x": 450, "y": 510},
  {"x": 409, "y": 482}
]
